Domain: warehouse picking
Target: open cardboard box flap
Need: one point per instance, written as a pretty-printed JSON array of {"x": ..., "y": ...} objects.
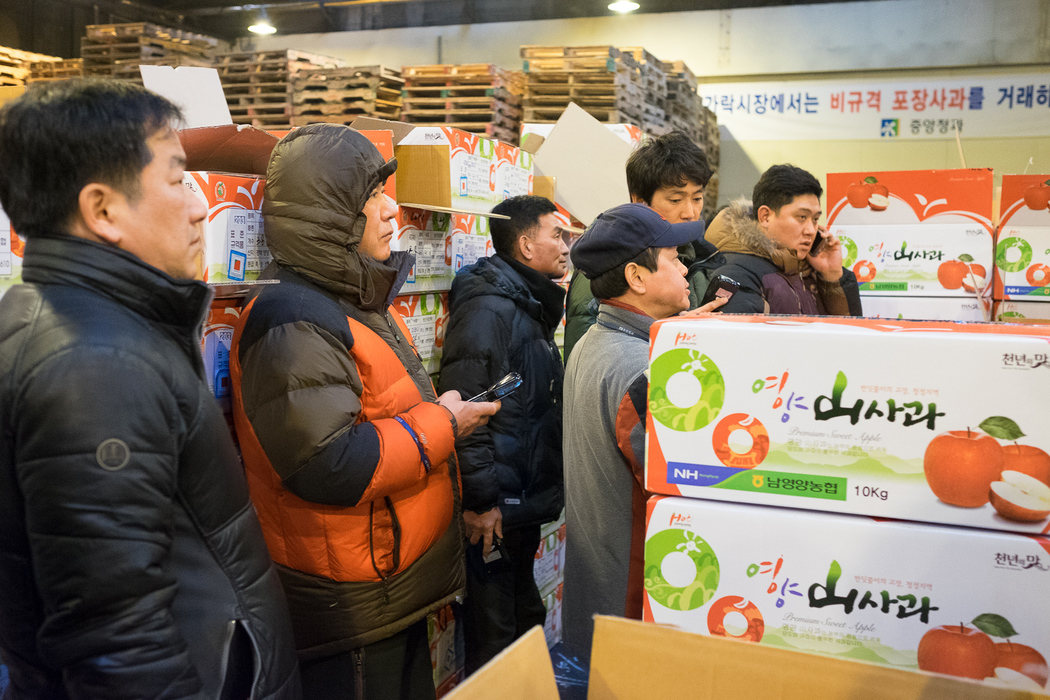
[
  {"x": 231, "y": 148},
  {"x": 633, "y": 660}
]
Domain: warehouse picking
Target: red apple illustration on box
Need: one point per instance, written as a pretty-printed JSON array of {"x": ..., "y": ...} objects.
[
  {"x": 962, "y": 272},
  {"x": 1038, "y": 196},
  {"x": 970, "y": 652},
  {"x": 967, "y": 468},
  {"x": 869, "y": 192}
]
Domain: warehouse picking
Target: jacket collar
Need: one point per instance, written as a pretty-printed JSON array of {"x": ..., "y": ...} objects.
[
  {"x": 550, "y": 296},
  {"x": 625, "y": 319},
  {"x": 119, "y": 275}
]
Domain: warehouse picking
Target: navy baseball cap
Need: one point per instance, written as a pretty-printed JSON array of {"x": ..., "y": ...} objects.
[{"x": 622, "y": 233}]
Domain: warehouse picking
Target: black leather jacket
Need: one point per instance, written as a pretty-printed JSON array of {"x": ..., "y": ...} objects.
[
  {"x": 502, "y": 318},
  {"x": 132, "y": 564}
]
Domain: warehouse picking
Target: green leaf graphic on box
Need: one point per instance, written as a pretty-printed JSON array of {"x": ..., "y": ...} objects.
[
  {"x": 683, "y": 552},
  {"x": 691, "y": 376},
  {"x": 1001, "y": 428},
  {"x": 994, "y": 625},
  {"x": 966, "y": 258}
]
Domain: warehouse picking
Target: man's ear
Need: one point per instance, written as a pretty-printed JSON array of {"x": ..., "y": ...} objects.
[
  {"x": 98, "y": 210},
  {"x": 635, "y": 199},
  {"x": 632, "y": 273},
  {"x": 524, "y": 246},
  {"x": 764, "y": 215}
]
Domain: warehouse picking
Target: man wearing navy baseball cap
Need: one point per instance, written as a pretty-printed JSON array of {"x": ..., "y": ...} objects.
[{"x": 630, "y": 256}]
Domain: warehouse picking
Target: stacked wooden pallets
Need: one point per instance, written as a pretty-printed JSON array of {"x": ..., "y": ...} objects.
[
  {"x": 684, "y": 111},
  {"x": 15, "y": 65},
  {"x": 117, "y": 50},
  {"x": 340, "y": 95},
  {"x": 44, "y": 71},
  {"x": 479, "y": 97},
  {"x": 258, "y": 84},
  {"x": 654, "y": 82},
  {"x": 603, "y": 80}
]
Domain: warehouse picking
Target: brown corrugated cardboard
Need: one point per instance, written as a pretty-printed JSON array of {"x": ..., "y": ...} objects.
[
  {"x": 522, "y": 671},
  {"x": 231, "y": 148}
]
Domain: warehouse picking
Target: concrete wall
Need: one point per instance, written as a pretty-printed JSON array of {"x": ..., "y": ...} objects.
[{"x": 885, "y": 38}]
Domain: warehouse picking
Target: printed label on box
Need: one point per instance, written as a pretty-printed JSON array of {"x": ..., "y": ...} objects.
[
  {"x": 900, "y": 594},
  {"x": 889, "y": 427},
  {"x": 244, "y": 231},
  {"x": 6, "y": 265},
  {"x": 467, "y": 249}
]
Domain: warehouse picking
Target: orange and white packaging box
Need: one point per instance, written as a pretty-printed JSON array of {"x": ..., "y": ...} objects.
[
  {"x": 216, "y": 341},
  {"x": 513, "y": 171},
  {"x": 915, "y": 233},
  {"x": 552, "y": 624},
  {"x": 549, "y": 566},
  {"x": 929, "y": 421},
  {"x": 446, "y": 167},
  {"x": 1022, "y": 250},
  {"x": 12, "y": 248},
  {"x": 958, "y": 601},
  {"x": 446, "y": 649},
  {"x": 426, "y": 316},
  {"x": 235, "y": 249},
  {"x": 928, "y": 308},
  {"x": 1009, "y": 311},
  {"x": 443, "y": 244}
]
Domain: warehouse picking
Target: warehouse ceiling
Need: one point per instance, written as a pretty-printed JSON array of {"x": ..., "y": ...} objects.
[{"x": 228, "y": 19}]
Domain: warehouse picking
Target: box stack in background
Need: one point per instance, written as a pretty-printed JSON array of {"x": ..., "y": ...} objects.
[
  {"x": 479, "y": 98},
  {"x": 1022, "y": 251},
  {"x": 549, "y": 571},
  {"x": 340, "y": 95},
  {"x": 887, "y": 428},
  {"x": 654, "y": 82},
  {"x": 16, "y": 67},
  {"x": 11, "y": 247},
  {"x": 258, "y": 84},
  {"x": 117, "y": 50},
  {"x": 447, "y": 655},
  {"x": 920, "y": 242},
  {"x": 603, "y": 80},
  {"x": 45, "y": 71}
]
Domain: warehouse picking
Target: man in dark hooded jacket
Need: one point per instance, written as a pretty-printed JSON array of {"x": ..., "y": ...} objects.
[
  {"x": 503, "y": 313},
  {"x": 348, "y": 451}
]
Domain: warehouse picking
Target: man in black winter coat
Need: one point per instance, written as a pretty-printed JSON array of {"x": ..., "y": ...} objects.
[
  {"x": 131, "y": 562},
  {"x": 503, "y": 313}
]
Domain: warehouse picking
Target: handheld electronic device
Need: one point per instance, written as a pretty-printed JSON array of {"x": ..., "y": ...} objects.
[
  {"x": 719, "y": 288},
  {"x": 818, "y": 243},
  {"x": 504, "y": 387}
]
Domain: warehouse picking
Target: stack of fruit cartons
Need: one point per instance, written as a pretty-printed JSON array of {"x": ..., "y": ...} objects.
[
  {"x": 44, "y": 71},
  {"x": 654, "y": 116},
  {"x": 117, "y": 50},
  {"x": 1022, "y": 251},
  {"x": 341, "y": 95},
  {"x": 603, "y": 80},
  {"x": 478, "y": 97},
  {"x": 258, "y": 84},
  {"x": 15, "y": 65}
]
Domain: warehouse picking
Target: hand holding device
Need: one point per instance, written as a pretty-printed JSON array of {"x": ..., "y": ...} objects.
[{"x": 504, "y": 387}]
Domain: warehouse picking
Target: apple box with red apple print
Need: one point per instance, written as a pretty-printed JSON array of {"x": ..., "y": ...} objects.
[
  {"x": 924, "y": 233},
  {"x": 1022, "y": 248},
  {"x": 962, "y": 602},
  {"x": 930, "y": 421}
]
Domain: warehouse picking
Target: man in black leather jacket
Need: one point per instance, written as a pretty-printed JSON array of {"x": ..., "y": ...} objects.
[
  {"x": 131, "y": 561},
  {"x": 503, "y": 313}
]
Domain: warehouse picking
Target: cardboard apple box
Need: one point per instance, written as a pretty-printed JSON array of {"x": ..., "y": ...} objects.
[
  {"x": 903, "y": 419},
  {"x": 442, "y": 242},
  {"x": 1022, "y": 251},
  {"x": 927, "y": 308},
  {"x": 426, "y": 316},
  {"x": 215, "y": 346},
  {"x": 1008, "y": 311},
  {"x": 958, "y": 601},
  {"x": 235, "y": 249},
  {"x": 447, "y": 168},
  {"x": 513, "y": 171},
  {"x": 446, "y": 649},
  {"x": 915, "y": 233},
  {"x": 11, "y": 251}
]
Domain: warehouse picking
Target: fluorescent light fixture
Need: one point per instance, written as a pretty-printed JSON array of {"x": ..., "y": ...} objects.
[
  {"x": 262, "y": 24},
  {"x": 624, "y": 6}
]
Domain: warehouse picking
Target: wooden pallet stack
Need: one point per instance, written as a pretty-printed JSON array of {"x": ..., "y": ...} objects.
[
  {"x": 46, "y": 71},
  {"x": 683, "y": 103},
  {"x": 258, "y": 84},
  {"x": 479, "y": 97},
  {"x": 117, "y": 50},
  {"x": 603, "y": 80},
  {"x": 15, "y": 65},
  {"x": 654, "y": 81},
  {"x": 340, "y": 95}
]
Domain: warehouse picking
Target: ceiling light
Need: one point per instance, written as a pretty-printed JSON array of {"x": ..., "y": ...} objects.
[
  {"x": 262, "y": 24},
  {"x": 624, "y": 6}
]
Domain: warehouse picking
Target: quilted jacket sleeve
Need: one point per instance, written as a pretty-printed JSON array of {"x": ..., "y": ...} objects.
[
  {"x": 302, "y": 394},
  {"x": 97, "y": 438},
  {"x": 474, "y": 357}
]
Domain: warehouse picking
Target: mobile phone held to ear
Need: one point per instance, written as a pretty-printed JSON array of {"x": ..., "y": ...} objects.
[
  {"x": 721, "y": 287},
  {"x": 500, "y": 389},
  {"x": 818, "y": 243}
]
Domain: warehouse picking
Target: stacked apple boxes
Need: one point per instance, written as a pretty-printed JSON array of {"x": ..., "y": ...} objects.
[
  {"x": 1022, "y": 251},
  {"x": 919, "y": 242},
  {"x": 448, "y": 180},
  {"x": 549, "y": 572},
  {"x": 446, "y": 649},
  {"x": 940, "y": 424}
]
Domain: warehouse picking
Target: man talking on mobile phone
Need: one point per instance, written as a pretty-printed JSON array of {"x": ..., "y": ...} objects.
[
  {"x": 779, "y": 254},
  {"x": 503, "y": 313}
]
